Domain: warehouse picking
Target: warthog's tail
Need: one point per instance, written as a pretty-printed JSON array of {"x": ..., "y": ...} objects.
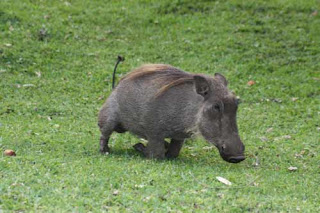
[{"x": 120, "y": 59}]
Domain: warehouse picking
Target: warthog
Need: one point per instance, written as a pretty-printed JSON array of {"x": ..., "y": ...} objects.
[{"x": 158, "y": 101}]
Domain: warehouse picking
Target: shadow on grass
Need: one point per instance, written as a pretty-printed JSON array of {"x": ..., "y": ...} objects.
[{"x": 199, "y": 160}]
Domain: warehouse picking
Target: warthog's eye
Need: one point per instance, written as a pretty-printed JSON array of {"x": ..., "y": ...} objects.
[
  {"x": 214, "y": 109},
  {"x": 217, "y": 107}
]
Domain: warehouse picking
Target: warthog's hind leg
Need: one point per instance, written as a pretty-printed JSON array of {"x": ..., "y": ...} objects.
[
  {"x": 154, "y": 148},
  {"x": 174, "y": 148}
]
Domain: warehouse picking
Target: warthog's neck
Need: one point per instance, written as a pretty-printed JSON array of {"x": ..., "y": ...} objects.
[{"x": 192, "y": 121}]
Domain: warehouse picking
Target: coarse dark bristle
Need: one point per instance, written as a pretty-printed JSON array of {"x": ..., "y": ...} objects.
[{"x": 165, "y": 75}]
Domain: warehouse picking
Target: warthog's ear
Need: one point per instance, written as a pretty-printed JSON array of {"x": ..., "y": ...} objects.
[
  {"x": 221, "y": 78},
  {"x": 202, "y": 85}
]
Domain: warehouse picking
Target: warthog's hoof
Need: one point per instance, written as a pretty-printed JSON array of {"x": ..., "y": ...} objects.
[
  {"x": 139, "y": 147},
  {"x": 104, "y": 150},
  {"x": 171, "y": 156}
]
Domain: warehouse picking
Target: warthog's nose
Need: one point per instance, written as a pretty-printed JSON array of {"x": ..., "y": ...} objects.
[{"x": 236, "y": 159}]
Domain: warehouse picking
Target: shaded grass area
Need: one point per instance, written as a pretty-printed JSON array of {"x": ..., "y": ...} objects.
[{"x": 56, "y": 60}]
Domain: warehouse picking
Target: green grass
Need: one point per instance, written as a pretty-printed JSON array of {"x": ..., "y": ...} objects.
[{"x": 52, "y": 124}]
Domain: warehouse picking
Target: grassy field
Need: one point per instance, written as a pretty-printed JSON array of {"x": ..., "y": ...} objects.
[{"x": 56, "y": 62}]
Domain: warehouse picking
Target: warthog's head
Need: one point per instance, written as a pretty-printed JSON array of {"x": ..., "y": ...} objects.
[{"x": 217, "y": 117}]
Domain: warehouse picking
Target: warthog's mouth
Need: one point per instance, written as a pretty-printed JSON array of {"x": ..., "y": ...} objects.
[
  {"x": 237, "y": 159},
  {"x": 232, "y": 159}
]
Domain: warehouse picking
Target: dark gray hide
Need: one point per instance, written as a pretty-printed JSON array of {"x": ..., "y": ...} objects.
[{"x": 159, "y": 101}]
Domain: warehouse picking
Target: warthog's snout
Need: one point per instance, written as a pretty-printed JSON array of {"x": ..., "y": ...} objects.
[
  {"x": 236, "y": 159},
  {"x": 232, "y": 153}
]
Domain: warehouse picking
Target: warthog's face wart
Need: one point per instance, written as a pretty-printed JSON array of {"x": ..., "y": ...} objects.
[{"x": 217, "y": 118}]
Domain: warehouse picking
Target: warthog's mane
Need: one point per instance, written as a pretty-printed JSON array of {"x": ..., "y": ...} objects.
[{"x": 164, "y": 75}]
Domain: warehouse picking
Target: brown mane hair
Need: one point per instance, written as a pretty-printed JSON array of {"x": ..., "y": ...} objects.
[{"x": 165, "y": 75}]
